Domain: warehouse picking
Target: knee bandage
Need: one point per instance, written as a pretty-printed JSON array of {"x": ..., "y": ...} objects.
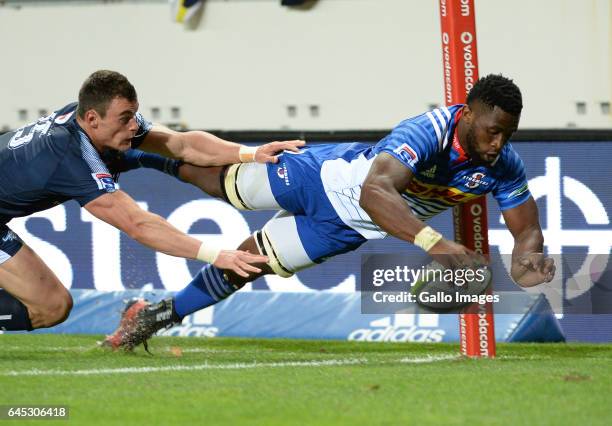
[
  {"x": 266, "y": 249},
  {"x": 231, "y": 187}
]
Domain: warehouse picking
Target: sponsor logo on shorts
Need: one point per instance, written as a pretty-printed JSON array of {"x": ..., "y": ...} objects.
[
  {"x": 283, "y": 173},
  {"x": 4, "y": 318},
  {"x": 475, "y": 180},
  {"x": 105, "y": 181},
  {"x": 10, "y": 236},
  {"x": 407, "y": 154}
]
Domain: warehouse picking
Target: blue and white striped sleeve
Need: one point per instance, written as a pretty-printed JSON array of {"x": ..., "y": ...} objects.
[
  {"x": 416, "y": 140},
  {"x": 512, "y": 190}
]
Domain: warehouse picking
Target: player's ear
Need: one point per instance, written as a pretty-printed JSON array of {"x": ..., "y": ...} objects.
[
  {"x": 467, "y": 114},
  {"x": 92, "y": 118}
]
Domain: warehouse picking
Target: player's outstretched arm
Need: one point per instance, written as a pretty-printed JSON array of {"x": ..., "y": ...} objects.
[
  {"x": 381, "y": 199},
  {"x": 121, "y": 211},
  {"x": 529, "y": 265},
  {"x": 205, "y": 149}
]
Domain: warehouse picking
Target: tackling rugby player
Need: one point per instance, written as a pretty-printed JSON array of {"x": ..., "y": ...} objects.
[{"x": 61, "y": 157}]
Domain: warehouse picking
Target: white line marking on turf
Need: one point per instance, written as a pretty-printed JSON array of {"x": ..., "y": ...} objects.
[
  {"x": 236, "y": 366},
  {"x": 49, "y": 348},
  {"x": 161, "y": 349},
  {"x": 430, "y": 358},
  {"x": 524, "y": 357}
]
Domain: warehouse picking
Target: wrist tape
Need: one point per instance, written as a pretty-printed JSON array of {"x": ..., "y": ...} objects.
[
  {"x": 426, "y": 238},
  {"x": 208, "y": 253},
  {"x": 247, "y": 154}
]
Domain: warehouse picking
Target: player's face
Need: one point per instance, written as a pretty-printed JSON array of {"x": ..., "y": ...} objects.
[
  {"x": 488, "y": 131},
  {"x": 118, "y": 126}
]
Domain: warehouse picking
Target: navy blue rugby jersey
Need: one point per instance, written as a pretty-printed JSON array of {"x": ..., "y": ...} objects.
[{"x": 51, "y": 161}]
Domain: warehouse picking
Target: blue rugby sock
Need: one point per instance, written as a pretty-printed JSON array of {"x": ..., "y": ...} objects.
[
  {"x": 153, "y": 161},
  {"x": 207, "y": 288}
]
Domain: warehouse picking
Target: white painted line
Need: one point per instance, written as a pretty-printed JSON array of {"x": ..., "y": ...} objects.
[
  {"x": 160, "y": 350},
  {"x": 48, "y": 348},
  {"x": 219, "y": 351},
  {"x": 524, "y": 357},
  {"x": 137, "y": 370},
  {"x": 236, "y": 366},
  {"x": 430, "y": 358}
]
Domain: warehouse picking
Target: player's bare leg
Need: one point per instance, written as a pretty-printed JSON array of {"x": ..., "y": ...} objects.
[
  {"x": 236, "y": 280},
  {"x": 208, "y": 179},
  {"x": 28, "y": 279}
]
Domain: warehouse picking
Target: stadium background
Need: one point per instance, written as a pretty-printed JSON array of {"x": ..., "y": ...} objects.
[{"x": 337, "y": 70}]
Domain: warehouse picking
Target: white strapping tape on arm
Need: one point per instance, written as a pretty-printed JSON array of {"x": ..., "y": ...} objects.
[
  {"x": 207, "y": 253},
  {"x": 247, "y": 153},
  {"x": 426, "y": 238}
]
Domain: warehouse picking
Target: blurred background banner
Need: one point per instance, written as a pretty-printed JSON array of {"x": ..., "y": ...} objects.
[
  {"x": 320, "y": 315},
  {"x": 569, "y": 180}
]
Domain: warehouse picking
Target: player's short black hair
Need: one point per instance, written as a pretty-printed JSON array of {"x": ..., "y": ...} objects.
[
  {"x": 101, "y": 88},
  {"x": 497, "y": 90}
]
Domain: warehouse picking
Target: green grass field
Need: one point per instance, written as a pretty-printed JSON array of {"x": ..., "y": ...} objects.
[{"x": 240, "y": 381}]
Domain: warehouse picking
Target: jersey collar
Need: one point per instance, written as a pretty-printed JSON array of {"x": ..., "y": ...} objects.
[{"x": 462, "y": 156}]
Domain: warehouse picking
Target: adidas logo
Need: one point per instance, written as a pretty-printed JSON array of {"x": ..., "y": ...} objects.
[
  {"x": 198, "y": 324},
  {"x": 401, "y": 328},
  {"x": 430, "y": 173}
]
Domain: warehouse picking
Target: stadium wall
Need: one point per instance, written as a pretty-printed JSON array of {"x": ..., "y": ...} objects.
[{"x": 341, "y": 64}]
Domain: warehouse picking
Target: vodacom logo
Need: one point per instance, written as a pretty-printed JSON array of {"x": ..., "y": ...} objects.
[{"x": 553, "y": 186}]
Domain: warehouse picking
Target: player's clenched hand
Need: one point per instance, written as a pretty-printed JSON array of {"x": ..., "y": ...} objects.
[
  {"x": 268, "y": 153},
  {"x": 532, "y": 269},
  {"x": 453, "y": 255},
  {"x": 241, "y": 262}
]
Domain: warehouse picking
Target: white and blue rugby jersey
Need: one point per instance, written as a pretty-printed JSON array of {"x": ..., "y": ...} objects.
[
  {"x": 443, "y": 173},
  {"x": 51, "y": 161}
]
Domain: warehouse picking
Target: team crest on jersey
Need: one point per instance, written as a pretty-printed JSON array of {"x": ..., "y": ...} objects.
[
  {"x": 407, "y": 154},
  {"x": 475, "y": 180},
  {"x": 63, "y": 118},
  {"x": 105, "y": 181}
]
